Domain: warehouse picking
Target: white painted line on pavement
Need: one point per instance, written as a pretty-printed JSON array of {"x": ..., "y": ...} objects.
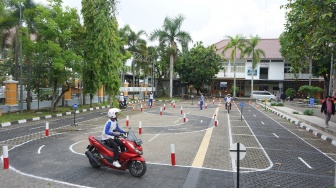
[
  {"x": 177, "y": 120},
  {"x": 233, "y": 161},
  {"x": 263, "y": 123},
  {"x": 46, "y": 179},
  {"x": 39, "y": 150},
  {"x": 276, "y": 135},
  {"x": 36, "y": 128},
  {"x": 304, "y": 162},
  {"x": 201, "y": 121},
  {"x": 254, "y": 115},
  {"x": 176, "y": 129},
  {"x": 93, "y": 132},
  {"x": 153, "y": 137},
  {"x": 73, "y": 151}
]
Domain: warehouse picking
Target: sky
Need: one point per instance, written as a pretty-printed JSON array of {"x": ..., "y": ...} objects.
[{"x": 208, "y": 21}]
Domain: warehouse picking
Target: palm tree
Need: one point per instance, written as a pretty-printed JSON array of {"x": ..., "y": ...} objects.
[
  {"x": 236, "y": 43},
  {"x": 170, "y": 34},
  {"x": 135, "y": 44},
  {"x": 251, "y": 49}
]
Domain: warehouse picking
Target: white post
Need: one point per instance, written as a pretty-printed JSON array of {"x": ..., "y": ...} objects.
[{"x": 5, "y": 157}]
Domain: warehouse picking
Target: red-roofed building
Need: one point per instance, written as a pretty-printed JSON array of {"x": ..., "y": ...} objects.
[{"x": 273, "y": 73}]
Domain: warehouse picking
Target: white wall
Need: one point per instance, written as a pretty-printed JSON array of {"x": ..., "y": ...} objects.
[{"x": 276, "y": 71}]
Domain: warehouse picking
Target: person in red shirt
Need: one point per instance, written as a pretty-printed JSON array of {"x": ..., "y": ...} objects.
[{"x": 328, "y": 107}]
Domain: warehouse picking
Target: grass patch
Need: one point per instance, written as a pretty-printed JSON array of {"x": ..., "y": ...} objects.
[{"x": 295, "y": 112}]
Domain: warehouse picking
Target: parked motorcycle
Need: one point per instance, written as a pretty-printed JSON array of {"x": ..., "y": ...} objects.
[{"x": 100, "y": 154}]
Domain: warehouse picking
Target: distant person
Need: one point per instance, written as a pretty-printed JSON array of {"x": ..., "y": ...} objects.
[
  {"x": 150, "y": 101},
  {"x": 328, "y": 107},
  {"x": 201, "y": 101},
  {"x": 228, "y": 100}
]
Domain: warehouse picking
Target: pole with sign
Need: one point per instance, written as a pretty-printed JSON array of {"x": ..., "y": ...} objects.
[
  {"x": 75, "y": 107},
  {"x": 241, "y": 111},
  {"x": 237, "y": 151}
]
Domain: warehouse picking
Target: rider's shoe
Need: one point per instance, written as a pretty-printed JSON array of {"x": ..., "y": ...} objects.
[{"x": 116, "y": 164}]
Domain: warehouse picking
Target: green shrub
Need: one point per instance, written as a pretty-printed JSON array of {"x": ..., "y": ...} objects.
[
  {"x": 277, "y": 104},
  {"x": 308, "y": 112},
  {"x": 295, "y": 112}
]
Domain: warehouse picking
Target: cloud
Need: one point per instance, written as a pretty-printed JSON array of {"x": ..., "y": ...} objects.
[{"x": 208, "y": 21}]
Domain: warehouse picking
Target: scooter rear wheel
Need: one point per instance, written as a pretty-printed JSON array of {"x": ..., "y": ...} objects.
[{"x": 137, "y": 168}]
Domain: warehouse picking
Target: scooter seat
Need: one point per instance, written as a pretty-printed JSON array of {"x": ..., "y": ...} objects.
[{"x": 104, "y": 144}]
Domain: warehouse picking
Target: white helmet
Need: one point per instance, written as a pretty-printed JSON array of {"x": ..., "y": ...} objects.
[{"x": 112, "y": 113}]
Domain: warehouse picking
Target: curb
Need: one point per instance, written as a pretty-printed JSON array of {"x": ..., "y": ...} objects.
[
  {"x": 49, "y": 116},
  {"x": 304, "y": 126}
]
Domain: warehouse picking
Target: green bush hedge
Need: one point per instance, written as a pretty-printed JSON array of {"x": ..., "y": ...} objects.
[
  {"x": 308, "y": 112},
  {"x": 277, "y": 104}
]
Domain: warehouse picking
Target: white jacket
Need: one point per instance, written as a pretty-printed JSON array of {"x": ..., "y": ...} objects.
[{"x": 108, "y": 129}]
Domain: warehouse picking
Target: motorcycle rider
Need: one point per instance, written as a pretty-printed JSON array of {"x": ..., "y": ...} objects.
[
  {"x": 108, "y": 136},
  {"x": 228, "y": 99}
]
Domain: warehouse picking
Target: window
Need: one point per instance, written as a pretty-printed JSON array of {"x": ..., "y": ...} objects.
[
  {"x": 287, "y": 68},
  {"x": 240, "y": 67}
]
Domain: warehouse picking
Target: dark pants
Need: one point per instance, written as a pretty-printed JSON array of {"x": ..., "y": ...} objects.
[
  {"x": 227, "y": 106},
  {"x": 150, "y": 102},
  {"x": 115, "y": 144},
  {"x": 201, "y": 105}
]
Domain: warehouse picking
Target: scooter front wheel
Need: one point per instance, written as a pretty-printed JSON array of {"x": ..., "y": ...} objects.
[{"x": 137, "y": 168}]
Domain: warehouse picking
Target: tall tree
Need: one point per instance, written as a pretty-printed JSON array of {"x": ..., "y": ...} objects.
[
  {"x": 309, "y": 32},
  {"x": 199, "y": 66},
  {"x": 171, "y": 33},
  {"x": 103, "y": 58},
  {"x": 251, "y": 49},
  {"x": 55, "y": 48},
  {"x": 236, "y": 44}
]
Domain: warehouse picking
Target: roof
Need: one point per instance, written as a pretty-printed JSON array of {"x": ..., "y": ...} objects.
[{"x": 271, "y": 47}]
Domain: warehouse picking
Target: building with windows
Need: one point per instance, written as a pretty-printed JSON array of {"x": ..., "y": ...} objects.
[{"x": 273, "y": 73}]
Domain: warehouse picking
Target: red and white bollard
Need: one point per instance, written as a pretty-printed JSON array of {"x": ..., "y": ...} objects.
[
  {"x": 47, "y": 129},
  {"x": 164, "y": 106},
  {"x": 161, "y": 111},
  {"x": 214, "y": 116},
  {"x": 216, "y": 122},
  {"x": 141, "y": 108},
  {"x": 174, "y": 104},
  {"x": 184, "y": 118},
  {"x": 198, "y": 104},
  {"x": 181, "y": 110},
  {"x": 5, "y": 157},
  {"x": 127, "y": 121},
  {"x": 140, "y": 127},
  {"x": 206, "y": 105},
  {"x": 172, "y": 150}
]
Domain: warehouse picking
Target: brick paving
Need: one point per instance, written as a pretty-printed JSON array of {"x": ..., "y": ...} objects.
[{"x": 186, "y": 152}]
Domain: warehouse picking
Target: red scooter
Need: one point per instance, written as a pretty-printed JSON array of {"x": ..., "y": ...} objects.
[{"x": 100, "y": 154}]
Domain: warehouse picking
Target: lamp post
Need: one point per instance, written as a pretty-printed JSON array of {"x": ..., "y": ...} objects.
[{"x": 20, "y": 53}]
